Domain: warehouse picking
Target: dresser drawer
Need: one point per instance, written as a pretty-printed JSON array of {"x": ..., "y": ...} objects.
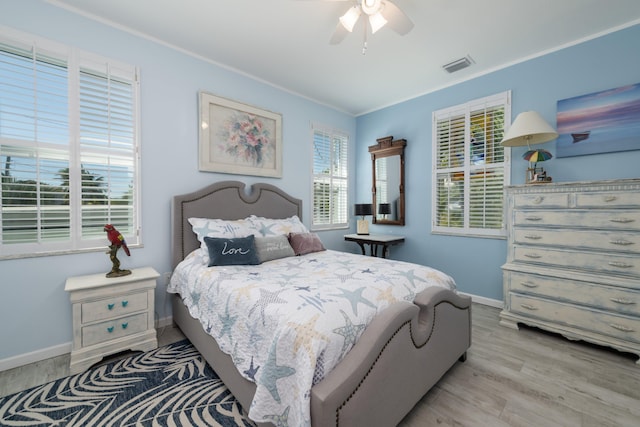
[
  {"x": 112, "y": 307},
  {"x": 112, "y": 329},
  {"x": 559, "y": 200},
  {"x": 608, "y": 199},
  {"x": 618, "y": 241},
  {"x": 624, "y": 301},
  {"x": 588, "y": 261},
  {"x": 580, "y": 218},
  {"x": 623, "y": 327}
]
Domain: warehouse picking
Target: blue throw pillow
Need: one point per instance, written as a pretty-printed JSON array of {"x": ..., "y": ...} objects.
[{"x": 237, "y": 251}]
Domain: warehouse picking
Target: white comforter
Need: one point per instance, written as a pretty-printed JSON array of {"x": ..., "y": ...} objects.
[{"x": 289, "y": 321}]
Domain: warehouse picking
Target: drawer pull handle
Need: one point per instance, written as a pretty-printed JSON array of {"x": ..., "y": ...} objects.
[
  {"x": 622, "y": 220},
  {"x": 533, "y": 237},
  {"x": 620, "y": 327},
  {"x": 610, "y": 198},
  {"x": 125, "y": 303},
  {"x": 124, "y": 325},
  {"x": 110, "y": 306},
  {"x": 621, "y": 242},
  {"x": 538, "y": 199},
  {"x": 534, "y": 256},
  {"x": 533, "y": 218},
  {"x": 623, "y": 300},
  {"x": 110, "y": 329},
  {"x": 620, "y": 264},
  {"x": 528, "y": 307},
  {"x": 529, "y": 285}
]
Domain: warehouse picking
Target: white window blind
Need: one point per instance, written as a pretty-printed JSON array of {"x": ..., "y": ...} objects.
[
  {"x": 68, "y": 149},
  {"x": 471, "y": 167},
  {"x": 330, "y": 178}
]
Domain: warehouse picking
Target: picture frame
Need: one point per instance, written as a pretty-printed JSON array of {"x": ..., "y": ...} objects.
[
  {"x": 238, "y": 138},
  {"x": 599, "y": 122}
]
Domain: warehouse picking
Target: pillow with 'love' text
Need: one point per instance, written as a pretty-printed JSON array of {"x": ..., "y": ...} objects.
[{"x": 236, "y": 251}]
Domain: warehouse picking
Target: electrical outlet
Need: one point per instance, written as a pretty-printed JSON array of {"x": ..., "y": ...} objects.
[{"x": 166, "y": 276}]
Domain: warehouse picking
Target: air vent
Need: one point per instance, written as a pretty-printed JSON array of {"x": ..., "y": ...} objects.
[{"x": 458, "y": 64}]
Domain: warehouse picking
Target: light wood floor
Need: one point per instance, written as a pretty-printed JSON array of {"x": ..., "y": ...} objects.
[{"x": 511, "y": 378}]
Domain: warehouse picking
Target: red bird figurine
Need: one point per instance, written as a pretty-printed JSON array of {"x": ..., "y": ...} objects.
[{"x": 116, "y": 238}]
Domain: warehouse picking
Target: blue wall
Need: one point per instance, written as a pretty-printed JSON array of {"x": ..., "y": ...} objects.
[
  {"x": 603, "y": 63},
  {"x": 35, "y": 312}
]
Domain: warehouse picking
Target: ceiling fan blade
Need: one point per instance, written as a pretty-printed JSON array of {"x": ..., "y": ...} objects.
[
  {"x": 396, "y": 18},
  {"x": 339, "y": 34}
]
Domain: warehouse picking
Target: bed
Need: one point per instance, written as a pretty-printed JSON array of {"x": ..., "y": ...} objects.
[{"x": 402, "y": 353}]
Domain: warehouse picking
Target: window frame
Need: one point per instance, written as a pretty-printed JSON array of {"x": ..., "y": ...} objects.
[
  {"x": 77, "y": 62},
  {"x": 332, "y": 178},
  {"x": 502, "y": 99}
]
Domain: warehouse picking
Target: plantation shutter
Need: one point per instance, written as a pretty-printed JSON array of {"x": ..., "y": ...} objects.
[
  {"x": 107, "y": 140},
  {"x": 382, "y": 186},
  {"x": 470, "y": 167},
  {"x": 68, "y": 148},
  {"x": 330, "y": 178},
  {"x": 34, "y": 146}
]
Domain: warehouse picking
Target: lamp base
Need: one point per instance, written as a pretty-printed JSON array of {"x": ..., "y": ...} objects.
[
  {"x": 537, "y": 176},
  {"x": 363, "y": 226}
]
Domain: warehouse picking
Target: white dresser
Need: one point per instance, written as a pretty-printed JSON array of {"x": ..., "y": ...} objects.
[
  {"x": 111, "y": 315},
  {"x": 573, "y": 260}
]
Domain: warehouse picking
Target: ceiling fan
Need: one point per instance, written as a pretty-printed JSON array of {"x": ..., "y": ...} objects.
[{"x": 378, "y": 13}]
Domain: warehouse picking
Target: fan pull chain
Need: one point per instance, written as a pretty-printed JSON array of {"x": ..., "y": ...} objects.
[{"x": 364, "y": 43}]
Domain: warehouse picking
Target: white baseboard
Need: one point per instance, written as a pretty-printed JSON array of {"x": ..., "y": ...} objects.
[
  {"x": 485, "y": 301},
  {"x": 55, "y": 351},
  {"x": 35, "y": 356},
  {"x": 165, "y": 321}
]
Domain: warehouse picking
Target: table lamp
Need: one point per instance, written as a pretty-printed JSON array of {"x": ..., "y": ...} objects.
[
  {"x": 363, "y": 209},
  {"x": 528, "y": 129}
]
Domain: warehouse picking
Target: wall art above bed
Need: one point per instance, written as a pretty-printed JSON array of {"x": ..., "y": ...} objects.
[
  {"x": 600, "y": 122},
  {"x": 239, "y": 138}
]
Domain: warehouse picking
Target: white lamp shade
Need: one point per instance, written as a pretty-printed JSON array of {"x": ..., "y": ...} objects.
[
  {"x": 349, "y": 19},
  {"x": 377, "y": 21},
  {"x": 528, "y": 128}
]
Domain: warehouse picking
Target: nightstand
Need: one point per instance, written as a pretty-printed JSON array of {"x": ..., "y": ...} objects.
[
  {"x": 111, "y": 315},
  {"x": 374, "y": 241}
]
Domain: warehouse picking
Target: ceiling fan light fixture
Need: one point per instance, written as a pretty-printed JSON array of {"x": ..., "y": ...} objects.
[
  {"x": 377, "y": 21},
  {"x": 349, "y": 19},
  {"x": 371, "y": 7}
]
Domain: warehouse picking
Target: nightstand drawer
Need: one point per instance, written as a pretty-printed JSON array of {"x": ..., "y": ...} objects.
[
  {"x": 604, "y": 219},
  {"x": 618, "y": 241},
  {"x": 112, "y": 329},
  {"x": 619, "y": 300},
  {"x": 115, "y": 306},
  {"x": 619, "y": 326}
]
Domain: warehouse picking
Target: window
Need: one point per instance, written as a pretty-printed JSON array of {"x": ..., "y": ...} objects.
[
  {"x": 68, "y": 149},
  {"x": 330, "y": 178},
  {"x": 470, "y": 167}
]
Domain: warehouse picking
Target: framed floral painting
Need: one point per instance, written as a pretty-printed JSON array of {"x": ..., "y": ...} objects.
[{"x": 239, "y": 138}]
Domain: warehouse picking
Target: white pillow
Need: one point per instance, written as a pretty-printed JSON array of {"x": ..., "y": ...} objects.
[
  {"x": 220, "y": 228},
  {"x": 264, "y": 227}
]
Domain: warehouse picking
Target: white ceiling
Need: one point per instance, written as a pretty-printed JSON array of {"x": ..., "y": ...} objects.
[{"x": 286, "y": 42}]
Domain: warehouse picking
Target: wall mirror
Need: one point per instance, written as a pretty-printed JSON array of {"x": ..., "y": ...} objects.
[{"x": 387, "y": 158}]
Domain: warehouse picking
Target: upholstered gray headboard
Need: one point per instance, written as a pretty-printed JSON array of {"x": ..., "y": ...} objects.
[{"x": 225, "y": 200}]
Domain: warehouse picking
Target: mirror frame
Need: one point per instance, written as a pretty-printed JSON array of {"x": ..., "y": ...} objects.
[{"x": 387, "y": 147}]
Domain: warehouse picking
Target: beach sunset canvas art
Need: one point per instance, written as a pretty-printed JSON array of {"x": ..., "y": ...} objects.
[{"x": 599, "y": 122}]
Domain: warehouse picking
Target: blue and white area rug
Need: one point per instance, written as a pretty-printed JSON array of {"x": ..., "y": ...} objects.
[{"x": 169, "y": 386}]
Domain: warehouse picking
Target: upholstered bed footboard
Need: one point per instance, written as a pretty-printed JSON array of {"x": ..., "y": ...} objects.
[{"x": 399, "y": 357}]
